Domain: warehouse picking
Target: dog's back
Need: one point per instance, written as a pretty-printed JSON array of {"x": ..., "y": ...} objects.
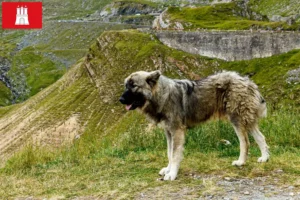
[
  {"x": 242, "y": 98},
  {"x": 222, "y": 94}
]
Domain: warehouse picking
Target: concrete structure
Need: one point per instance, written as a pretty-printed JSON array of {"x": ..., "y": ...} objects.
[{"x": 231, "y": 45}]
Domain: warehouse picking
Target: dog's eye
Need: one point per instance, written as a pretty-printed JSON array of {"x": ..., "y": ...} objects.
[{"x": 131, "y": 84}]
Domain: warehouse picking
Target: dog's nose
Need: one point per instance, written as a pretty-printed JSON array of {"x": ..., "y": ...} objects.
[{"x": 122, "y": 100}]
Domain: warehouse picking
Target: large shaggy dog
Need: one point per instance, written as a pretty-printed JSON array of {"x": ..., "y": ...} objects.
[{"x": 181, "y": 104}]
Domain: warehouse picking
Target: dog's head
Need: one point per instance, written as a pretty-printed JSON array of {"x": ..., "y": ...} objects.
[{"x": 139, "y": 89}]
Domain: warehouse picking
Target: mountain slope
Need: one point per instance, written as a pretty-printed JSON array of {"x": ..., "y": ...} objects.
[
  {"x": 114, "y": 154},
  {"x": 284, "y": 8},
  {"x": 227, "y": 16},
  {"x": 85, "y": 99},
  {"x": 37, "y": 58}
]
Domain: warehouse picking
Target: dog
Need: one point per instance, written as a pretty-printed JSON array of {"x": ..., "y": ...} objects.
[{"x": 177, "y": 105}]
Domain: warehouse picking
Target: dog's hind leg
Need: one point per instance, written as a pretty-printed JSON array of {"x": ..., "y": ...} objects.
[
  {"x": 260, "y": 140},
  {"x": 244, "y": 145},
  {"x": 166, "y": 170},
  {"x": 177, "y": 141}
]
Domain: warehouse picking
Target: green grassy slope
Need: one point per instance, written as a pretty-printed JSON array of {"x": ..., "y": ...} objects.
[
  {"x": 5, "y": 95},
  {"x": 69, "y": 9},
  {"x": 60, "y": 44},
  {"x": 53, "y": 49},
  {"x": 276, "y": 7},
  {"x": 46, "y": 54},
  {"x": 6, "y": 50},
  {"x": 271, "y": 74},
  {"x": 221, "y": 17},
  {"x": 115, "y": 146}
]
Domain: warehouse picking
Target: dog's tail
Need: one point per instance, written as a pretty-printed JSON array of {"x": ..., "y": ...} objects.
[{"x": 262, "y": 110}]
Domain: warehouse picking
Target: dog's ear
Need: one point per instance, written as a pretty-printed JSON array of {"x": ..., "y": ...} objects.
[{"x": 153, "y": 78}]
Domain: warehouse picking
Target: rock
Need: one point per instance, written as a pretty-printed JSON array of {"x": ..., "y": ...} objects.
[
  {"x": 293, "y": 76},
  {"x": 246, "y": 192},
  {"x": 290, "y": 20},
  {"x": 226, "y": 142},
  {"x": 275, "y": 18},
  {"x": 115, "y": 11},
  {"x": 279, "y": 171},
  {"x": 261, "y": 188},
  {"x": 291, "y": 194},
  {"x": 178, "y": 26}
]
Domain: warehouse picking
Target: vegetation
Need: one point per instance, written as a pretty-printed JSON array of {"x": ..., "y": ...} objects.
[
  {"x": 127, "y": 165},
  {"x": 72, "y": 39},
  {"x": 38, "y": 70},
  {"x": 145, "y": 2},
  {"x": 5, "y": 95},
  {"x": 276, "y": 7},
  {"x": 43, "y": 59},
  {"x": 271, "y": 75},
  {"x": 221, "y": 17},
  {"x": 115, "y": 155}
]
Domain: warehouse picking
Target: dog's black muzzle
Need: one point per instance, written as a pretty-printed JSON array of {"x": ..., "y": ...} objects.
[
  {"x": 132, "y": 100},
  {"x": 127, "y": 97}
]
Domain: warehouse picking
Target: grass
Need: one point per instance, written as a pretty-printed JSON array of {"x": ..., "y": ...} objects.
[
  {"x": 72, "y": 40},
  {"x": 45, "y": 58},
  {"x": 5, "y": 95},
  {"x": 276, "y": 7},
  {"x": 39, "y": 71},
  {"x": 8, "y": 42},
  {"x": 220, "y": 17},
  {"x": 274, "y": 86},
  {"x": 115, "y": 157},
  {"x": 69, "y": 9},
  {"x": 128, "y": 164}
]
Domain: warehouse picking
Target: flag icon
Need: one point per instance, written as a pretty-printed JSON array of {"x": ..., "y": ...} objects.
[{"x": 22, "y": 15}]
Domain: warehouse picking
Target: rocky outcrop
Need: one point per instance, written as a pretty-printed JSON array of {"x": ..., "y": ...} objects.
[
  {"x": 293, "y": 76},
  {"x": 119, "y": 12},
  {"x": 4, "y": 68},
  {"x": 127, "y": 8},
  {"x": 203, "y": 2},
  {"x": 231, "y": 45},
  {"x": 289, "y": 20},
  {"x": 169, "y": 20}
]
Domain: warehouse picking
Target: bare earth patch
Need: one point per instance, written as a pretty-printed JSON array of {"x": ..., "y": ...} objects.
[
  {"x": 228, "y": 188},
  {"x": 61, "y": 133}
]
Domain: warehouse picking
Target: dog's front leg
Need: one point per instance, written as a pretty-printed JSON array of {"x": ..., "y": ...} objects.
[
  {"x": 166, "y": 170},
  {"x": 176, "y": 154}
]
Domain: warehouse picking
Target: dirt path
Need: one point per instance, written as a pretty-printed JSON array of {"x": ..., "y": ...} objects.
[{"x": 227, "y": 188}]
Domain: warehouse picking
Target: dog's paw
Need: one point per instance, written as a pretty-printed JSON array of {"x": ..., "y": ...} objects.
[
  {"x": 170, "y": 176},
  {"x": 263, "y": 159},
  {"x": 238, "y": 163},
  {"x": 164, "y": 171}
]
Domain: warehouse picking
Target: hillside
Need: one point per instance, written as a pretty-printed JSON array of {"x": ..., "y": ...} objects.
[
  {"x": 70, "y": 27},
  {"x": 31, "y": 60},
  {"x": 236, "y": 15},
  {"x": 69, "y": 9},
  {"x": 66, "y": 136},
  {"x": 84, "y": 104},
  {"x": 277, "y": 10},
  {"x": 41, "y": 57}
]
